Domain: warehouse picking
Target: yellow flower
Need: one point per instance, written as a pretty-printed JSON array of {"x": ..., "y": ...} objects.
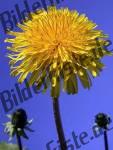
[{"x": 55, "y": 46}]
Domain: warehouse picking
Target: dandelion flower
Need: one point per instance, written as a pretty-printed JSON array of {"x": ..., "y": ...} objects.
[{"x": 57, "y": 45}]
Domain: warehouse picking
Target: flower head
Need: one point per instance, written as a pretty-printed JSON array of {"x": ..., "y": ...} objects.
[
  {"x": 57, "y": 45},
  {"x": 18, "y": 123},
  {"x": 102, "y": 120}
]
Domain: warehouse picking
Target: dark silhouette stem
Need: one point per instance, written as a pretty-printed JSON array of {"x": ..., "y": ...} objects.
[
  {"x": 106, "y": 140},
  {"x": 19, "y": 140},
  {"x": 59, "y": 124}
]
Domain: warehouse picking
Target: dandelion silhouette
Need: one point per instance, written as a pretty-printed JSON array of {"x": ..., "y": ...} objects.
[
  {"x": 103, "y": 121},
  {"x": 57, "y": 45},
  {"x": 18, "y": 125}
]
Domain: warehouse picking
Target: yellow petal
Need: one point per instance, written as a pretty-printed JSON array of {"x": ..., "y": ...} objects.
[{"x": 94, "y": 73}]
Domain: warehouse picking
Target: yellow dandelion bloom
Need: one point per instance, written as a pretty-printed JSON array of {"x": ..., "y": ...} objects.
[{"x": 57, "y": 45}]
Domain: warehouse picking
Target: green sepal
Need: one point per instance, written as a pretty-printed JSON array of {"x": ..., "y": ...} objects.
[
  {"x": 46, "y": 84},
  {"x": 99, "y": 65},
  {"x": 85, "y": 79},
  {"x": 12, "y": 134},
  {"x": 108, "y": 53},
  {"x": 41, "y": 80},
  {"x": 99, "y": 49},
  {"x": 24, "y": 135},
  {"x": 33, "y": 77},
  {"x": 94, "y": 71},
  {"x": 55, "y": 91},
  {"x": 71, "y": 84},
  {"x": 29, "y": 129}
]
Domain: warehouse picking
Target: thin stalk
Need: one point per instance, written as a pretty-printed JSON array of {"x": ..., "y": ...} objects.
[
  {"x": 59, "y": 124},
  {"x": 106, "y": 140},
  {"x": 19, "y": 140}
]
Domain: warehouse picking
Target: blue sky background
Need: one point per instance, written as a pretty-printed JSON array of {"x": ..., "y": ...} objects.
[{"x": 77, "y": 111}]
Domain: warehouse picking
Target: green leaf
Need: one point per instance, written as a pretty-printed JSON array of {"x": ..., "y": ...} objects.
[
  {"x": 9, "y": 146},
  {"x": 5, "y": 146}
]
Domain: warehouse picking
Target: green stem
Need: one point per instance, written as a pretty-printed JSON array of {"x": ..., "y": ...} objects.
[
  {"x": 59, "y": 124},
  {"x": 106, "y": 140},
  {"x": 19, "y": 140}
]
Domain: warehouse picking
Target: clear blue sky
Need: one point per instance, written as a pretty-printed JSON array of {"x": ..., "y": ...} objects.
[{"x": 77, "y": 111}]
